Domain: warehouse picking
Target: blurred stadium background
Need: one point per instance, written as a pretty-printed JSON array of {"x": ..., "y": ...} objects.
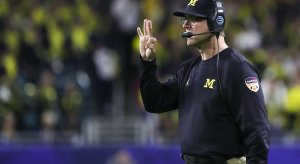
[{"x": 69, "y": 78}]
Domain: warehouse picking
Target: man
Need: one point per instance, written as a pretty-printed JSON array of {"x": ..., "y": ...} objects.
[{"x": 222, "y": 115}]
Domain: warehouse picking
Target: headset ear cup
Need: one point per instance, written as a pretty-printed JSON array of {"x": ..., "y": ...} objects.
[{"x": 216, "y": 18}]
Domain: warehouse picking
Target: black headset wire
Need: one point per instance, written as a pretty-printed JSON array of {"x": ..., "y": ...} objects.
[{"x": 217, "y": 67}]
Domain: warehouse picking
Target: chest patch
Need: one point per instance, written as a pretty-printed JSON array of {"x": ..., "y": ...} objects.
[{"x": 252, "y": 83}]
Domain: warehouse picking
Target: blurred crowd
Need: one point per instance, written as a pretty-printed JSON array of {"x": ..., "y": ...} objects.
[{"x": 63, "y": 61}]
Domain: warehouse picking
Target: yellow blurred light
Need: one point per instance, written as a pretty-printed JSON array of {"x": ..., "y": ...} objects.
[{"x": 50, "y": 93}]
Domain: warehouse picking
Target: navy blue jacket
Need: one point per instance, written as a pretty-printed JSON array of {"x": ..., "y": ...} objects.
[{"x": 228, "y": 122}]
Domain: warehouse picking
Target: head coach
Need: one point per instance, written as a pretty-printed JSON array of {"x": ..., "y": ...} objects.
[{"x": 218, "y": 94}]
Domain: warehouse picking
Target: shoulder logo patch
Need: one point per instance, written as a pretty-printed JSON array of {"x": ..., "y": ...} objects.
[{"x": 252, "y": 83}]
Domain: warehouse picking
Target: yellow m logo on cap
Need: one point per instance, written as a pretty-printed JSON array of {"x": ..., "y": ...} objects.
[
  {"x": 209, "y": 83},
  {"x": 192, "y": 2}
]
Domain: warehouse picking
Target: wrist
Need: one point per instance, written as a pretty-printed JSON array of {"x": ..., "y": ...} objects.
[{"x": 147, "y": 59}]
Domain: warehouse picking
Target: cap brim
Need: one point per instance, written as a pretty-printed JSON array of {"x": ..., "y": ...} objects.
[{"x": 181, "y": 13}]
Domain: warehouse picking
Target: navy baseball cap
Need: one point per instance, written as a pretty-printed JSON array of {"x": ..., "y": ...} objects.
[{"x": 199, "y": 8}]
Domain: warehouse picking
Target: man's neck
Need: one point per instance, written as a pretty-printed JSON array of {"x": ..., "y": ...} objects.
[{"x": 211, "y": 48}]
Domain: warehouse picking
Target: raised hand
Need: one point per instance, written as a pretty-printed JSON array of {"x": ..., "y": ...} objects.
[{"x": 148, "y": 43}]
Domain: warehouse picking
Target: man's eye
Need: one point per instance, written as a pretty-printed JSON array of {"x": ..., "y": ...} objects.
[{"x": 193, "y": 19}]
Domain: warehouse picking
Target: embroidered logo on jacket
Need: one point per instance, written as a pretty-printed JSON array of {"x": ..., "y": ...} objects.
[
  {"x": 252, "y": 83},
  {"x": 192, "y": 2},
  {"x": 209, "y": 83}
]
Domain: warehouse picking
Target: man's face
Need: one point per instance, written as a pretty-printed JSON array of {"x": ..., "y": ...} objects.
[{"x": 196, "y": 25}]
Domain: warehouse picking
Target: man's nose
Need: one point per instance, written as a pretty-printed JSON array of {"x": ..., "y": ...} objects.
[{"x": 186, "y": 24}]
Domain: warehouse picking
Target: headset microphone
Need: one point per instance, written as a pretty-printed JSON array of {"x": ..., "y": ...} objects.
[{"x": 190, "y": 34}]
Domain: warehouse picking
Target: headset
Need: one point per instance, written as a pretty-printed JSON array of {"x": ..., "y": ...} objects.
[
  {"x": 216, "y": 18},
  {"x": 216, "y": 24}
]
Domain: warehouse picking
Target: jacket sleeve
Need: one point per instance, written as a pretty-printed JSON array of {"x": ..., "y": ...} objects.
[
  {"x": 246, "y": 102},
  {"x": 157, "y": 97}
]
